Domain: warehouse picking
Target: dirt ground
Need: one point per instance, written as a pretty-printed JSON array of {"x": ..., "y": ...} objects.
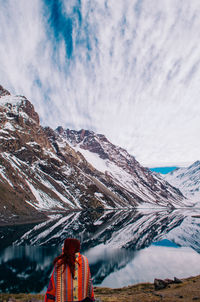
[{"x": 188, "y": 291}]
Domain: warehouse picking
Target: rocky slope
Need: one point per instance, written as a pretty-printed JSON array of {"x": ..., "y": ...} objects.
[
  {"x": 112, "y": 168},
  {"x": 187, "y": 180},
  {"x": 46, "y": 170}
]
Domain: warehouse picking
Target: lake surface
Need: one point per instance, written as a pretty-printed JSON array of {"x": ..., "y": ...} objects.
[{"x": 123, "y": 247}]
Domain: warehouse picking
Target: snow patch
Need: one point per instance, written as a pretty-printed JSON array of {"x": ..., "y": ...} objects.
[
  {"x": 9, "y": 126},
  {"x": 3, "y": 174},
  {"x": 45, "y": 202}
]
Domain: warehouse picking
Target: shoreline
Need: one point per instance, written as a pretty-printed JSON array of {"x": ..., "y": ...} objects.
[
  {"x": 187, "y": 291},
  {"x": 24, "y": 220}
]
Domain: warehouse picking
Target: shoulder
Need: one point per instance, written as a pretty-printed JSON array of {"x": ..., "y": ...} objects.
[
  {"x": 81, "y": 257},
  {"x": 84, "y": 257},
  {"x": 84, "y": 260}
]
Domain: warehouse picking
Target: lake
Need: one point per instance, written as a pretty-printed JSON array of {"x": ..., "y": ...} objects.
[{"x": 123, "y": 247}]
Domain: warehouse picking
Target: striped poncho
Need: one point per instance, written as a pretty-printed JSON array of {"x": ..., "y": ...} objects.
[{"x": 62, "y": 287}]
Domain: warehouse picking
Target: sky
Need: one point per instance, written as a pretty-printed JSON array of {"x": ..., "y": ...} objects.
[{"x": 129, "y": 69}]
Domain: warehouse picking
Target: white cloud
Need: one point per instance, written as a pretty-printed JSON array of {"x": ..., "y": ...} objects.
[{"x": 133, "y": 74}]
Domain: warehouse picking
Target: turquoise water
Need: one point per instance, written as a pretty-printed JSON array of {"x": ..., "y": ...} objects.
[
  {"x": 163, "y": 170},
  {"x": 166, "y": 243}
]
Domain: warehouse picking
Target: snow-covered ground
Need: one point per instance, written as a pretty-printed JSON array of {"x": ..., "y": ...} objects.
[{"x": 187, "y": 180}]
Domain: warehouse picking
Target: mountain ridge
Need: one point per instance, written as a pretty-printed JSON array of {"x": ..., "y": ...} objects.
[
  {"x": 187, "y": 180},
  {"x": 61, "y": 170}
]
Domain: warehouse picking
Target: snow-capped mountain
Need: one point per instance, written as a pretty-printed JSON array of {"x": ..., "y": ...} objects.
[
  {"x": 46, "y": 170},
  {"x": 115, "y": 167},
  {"x": 187, "y": 180}
]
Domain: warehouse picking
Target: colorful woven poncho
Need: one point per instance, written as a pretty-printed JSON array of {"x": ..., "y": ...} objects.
[{"x": 63, "y": 288}]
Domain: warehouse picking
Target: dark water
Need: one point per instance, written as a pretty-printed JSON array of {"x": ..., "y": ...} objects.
[{"x": 123, "y": 247}]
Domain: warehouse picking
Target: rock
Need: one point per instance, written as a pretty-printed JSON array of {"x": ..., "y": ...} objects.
[
  {"x": 29, "y": 109},
  {"x": 177, "y": 281},
  {"x": 160, "y": 284},
  {"x": 60, "y": 129},
  {"x": 158, "y": 295},
  {"x": 169, "y": 281},
  {"x": 3, "y": 91}
]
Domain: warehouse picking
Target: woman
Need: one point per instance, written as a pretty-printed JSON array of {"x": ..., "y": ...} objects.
[{"x": 71, "y": 279}]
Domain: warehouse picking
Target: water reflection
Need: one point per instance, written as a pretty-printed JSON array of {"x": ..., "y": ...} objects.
[
  {"x": 115, "y": 228},
  {"x": 25, "y": 268},
  {"x": 118, "y": 245},
  {"x": 156, "y": 261}
]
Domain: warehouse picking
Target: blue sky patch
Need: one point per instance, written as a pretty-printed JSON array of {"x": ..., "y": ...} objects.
[{"x": 60, "y": 24}]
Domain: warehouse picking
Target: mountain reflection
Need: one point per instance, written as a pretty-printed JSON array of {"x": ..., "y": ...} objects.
[{"x": 111, "y": 240}]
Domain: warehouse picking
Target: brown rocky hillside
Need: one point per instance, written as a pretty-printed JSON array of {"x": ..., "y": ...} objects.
[{"x": 42, "y": 170}]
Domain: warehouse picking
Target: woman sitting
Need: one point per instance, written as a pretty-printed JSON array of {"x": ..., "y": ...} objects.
[{"x": 71, "y": 279}]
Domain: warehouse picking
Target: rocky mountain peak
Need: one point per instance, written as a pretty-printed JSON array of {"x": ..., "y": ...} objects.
[
  {"x": 20, "y": 126},
  {"x": 18, "y": 107},
  {"x": 30, "y": 110},
  {"x": 60, "y": 130},
  {"x": 87, "y": 140},
  {"x": 75, "y": 137},
  {"x": 3, "y": 91}
]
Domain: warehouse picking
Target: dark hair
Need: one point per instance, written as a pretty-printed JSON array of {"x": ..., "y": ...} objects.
[{"x": 71, "y": 246}]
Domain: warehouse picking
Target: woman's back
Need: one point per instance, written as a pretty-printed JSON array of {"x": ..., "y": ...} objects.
[{"x": 67, "y": 285}]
